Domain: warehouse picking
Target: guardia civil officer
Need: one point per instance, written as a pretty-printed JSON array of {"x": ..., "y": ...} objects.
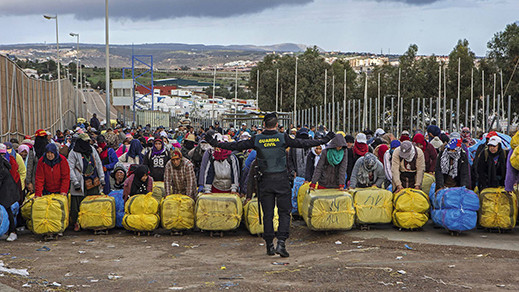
[{"x": 274, "y": 185}]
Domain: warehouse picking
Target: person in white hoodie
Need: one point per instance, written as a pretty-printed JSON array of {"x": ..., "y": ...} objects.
[{"x": 312, "y": 159}]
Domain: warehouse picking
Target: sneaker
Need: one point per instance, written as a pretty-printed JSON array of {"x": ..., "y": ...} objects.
[{"x": 12, "y": 237}]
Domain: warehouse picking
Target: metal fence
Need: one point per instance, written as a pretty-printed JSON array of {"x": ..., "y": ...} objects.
[
  {"x": 28, "y": 104},
  {"x": 395, "y": 115}
]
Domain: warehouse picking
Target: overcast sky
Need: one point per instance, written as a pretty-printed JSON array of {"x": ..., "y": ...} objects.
[{"x": 343, "y": 25}]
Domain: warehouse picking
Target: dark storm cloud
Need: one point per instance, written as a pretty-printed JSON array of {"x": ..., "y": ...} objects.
[{"x": 144, "y": 9}]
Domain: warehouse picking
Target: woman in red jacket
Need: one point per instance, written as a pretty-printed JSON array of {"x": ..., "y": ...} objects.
[{"x": 52, "y": 173}]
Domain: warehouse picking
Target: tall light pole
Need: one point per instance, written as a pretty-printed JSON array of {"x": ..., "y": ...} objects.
[
  {"x": 59, "y": 69},
  {"x": 107, "y": 72},
  {"x": 77, "y": 72}
]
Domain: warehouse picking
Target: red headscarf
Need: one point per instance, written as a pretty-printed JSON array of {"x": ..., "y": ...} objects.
[
  {"x": 382, "y": 148},
  {"x": 221, "y": 154},
  {"x": 404, "y": 138},
  {"x": 420, "y": 139},
  {"x": 360, "y": 148}
]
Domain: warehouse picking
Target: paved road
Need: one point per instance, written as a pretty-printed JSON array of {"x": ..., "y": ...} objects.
[{"x": 96, "y": 104}]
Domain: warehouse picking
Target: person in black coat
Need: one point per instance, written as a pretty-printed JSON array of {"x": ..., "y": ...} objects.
[
  {"x": 491, "y": 165},
  {"x": 94, "y": 122},
  {"x": 8, "y": 193}
]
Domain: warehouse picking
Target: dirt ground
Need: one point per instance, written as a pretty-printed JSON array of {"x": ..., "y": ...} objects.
[{"x": 318, "y": 262}]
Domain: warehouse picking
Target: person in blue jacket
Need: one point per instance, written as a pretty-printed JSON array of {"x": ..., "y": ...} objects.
[{"x": 108, "y": 158}]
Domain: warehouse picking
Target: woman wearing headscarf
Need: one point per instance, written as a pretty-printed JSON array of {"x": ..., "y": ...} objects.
[
  {"x": 156, "y": 160},
  {"x": 8, "y": 191},
  {"x": 22, "y": 170},
  {"x": 452, "y": 167},
  {"x": 86, "y": 175},
  {"x": 466, "y": 137},
  {"x": 407, "y": 167},
  {"x": 429, "y": 152},
  {"x": 139, "y": 182},
  {"x": 330, "y": 172},
  {"x": 24, "y": 150},
  {"x": 34, "y": 156},
  {"x": 367, "y": 172},
  {"x": 52, "y": 173},
  {"x": 108, "y": 158},
  {"x": 220, "y": 172},
  {"x": 125, "y": 145},
  {"x": 134, "y": 154},
  {"x": 118, "y": 177},
  {"x": 388, "y": 156},
  {"x": 312, "y": 159}
]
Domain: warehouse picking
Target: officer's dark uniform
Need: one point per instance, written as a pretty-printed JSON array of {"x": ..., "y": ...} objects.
[{"x": 274, "y": 185}]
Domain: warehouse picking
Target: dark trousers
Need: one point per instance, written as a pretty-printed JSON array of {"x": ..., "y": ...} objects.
[
  {"x": 12, "y": 227},
  {"x": 275, "y": 189},
  {"x": 75, "y": 202}
]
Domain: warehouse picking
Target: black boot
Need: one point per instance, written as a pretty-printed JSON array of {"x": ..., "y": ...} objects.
[
  {"x": 270, "y": 247},
  {"x": 281, "y": 249}
]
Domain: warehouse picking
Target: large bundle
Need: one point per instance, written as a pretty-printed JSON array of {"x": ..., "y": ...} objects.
[
  {"x": 177, "y": 212},
  {"x": 410, "y": 208},
  {"x": 455, "y": 209},
  {"x": 498, "y": 208},
  {"x": 514, "y": 159},
  {"x": 141, "y": 213},
  {"x": 119, "y": 206},
  {"x": 97, "y": 212},
  {"x": 301, "y": 193},
  {"x": 428, "y": 180},
  {"x": 328, "y": 209},
  {"x": 4, "y": 221},
  {"x": 158, "y": 190},
  {"x": 298, "y": 182},
  {"x": 251, "y": 217},
  {"x": 218, "y": 212},
  {"x": 49, "y": 214},
  {"x": 26, "y": 210},
  {"x": 372, "y": 205}
]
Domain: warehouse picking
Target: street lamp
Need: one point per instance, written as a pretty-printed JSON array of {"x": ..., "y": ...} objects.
[
  {"x": 77, "y": 72},
  {"x": 50, "y": 17}
]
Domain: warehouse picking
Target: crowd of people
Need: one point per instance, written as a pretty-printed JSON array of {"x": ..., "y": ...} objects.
[{"x": 92, "y": 159}]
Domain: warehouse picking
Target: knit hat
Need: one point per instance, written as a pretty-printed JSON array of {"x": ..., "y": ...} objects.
[
  {"x": 407, "y": 150},
  {"x": 491, "y": 134},
  {"x": 40, "y": 133},
  {"x": 84, "y": 137},
  {"x": 453, "y": 144},
  {"x": 434, "y": 130},
  {"x": 395, "y": 144},
  {"x": 419, "y": 139},
  {"x": 3, "y": 148},
  {"x": 349, "y": 139},
  {"x": 436, "y": 142}
]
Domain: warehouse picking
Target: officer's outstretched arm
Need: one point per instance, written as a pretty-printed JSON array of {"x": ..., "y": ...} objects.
[
  {"x": 307, "y": 143},
  {"x": 241, "y": 145}
]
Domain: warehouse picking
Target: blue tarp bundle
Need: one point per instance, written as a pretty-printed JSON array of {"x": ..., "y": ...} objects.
[
  {"x": 119, "y": 207},
  {"x": 298, "y": 182},
  {"x": 4, "y": 221},
  {"x": 455, "y": 209}
]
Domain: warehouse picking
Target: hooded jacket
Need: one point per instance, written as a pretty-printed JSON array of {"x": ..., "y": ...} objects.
[
  {"x": 157, "y": 163},
  {"x": 52, "y": 179},
  {"x": 327, "y": 175},
  {"x": 310, "y": 164},
  {"x": 491, "y": 169},
  {"x": 378, "y": 172},
  {"x": 118, "y": 166},
  {"x": 223, "y": 175},
  {"x": 8, "y": 189},
  {"x": 75, "y": 161}
]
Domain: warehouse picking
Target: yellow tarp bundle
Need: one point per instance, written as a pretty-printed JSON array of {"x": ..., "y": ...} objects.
[
  {"x": 26, "y": 208},
  {"x": 218, "y": 212},
  {"x": 303, "y": 190},
  {"x": 177, "y": 212},
  {"x": 250, "y": 214},
  {"x": 514, "y": 159},
  {"x": 328, "y": 209},
  {"x": 97, "y": 212},
  {"x": 428, "y": 180},
  {"x": 411, "y": 208},
  {"x": 498, "y": 209},
  {"x": 141, "y": 213},
  {"x": 142, "y": 222},
  {"x": 49, "y": 214},
  {"x": 372, "y": 205},
  {"x": 158, "y": 190}
]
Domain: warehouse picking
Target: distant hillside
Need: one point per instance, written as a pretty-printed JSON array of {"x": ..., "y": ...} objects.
[{"x": 166, "y": 56}]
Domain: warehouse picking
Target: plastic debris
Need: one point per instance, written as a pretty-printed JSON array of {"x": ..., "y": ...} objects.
[
  {"x": 56, "y": 284},
  {"x": 261, "y": 244},
  {"x": 357, "y": 241},
  {"x": 26, "y": 285},
  {"x": 280, "y": 264},
  {"x": 174, "y": 244},
  {"x": 70, "y": 286},
  {"x": 452, "y": 266},
  {"x": 402, "y": 272},
  {"x": 223, "y": 268},
  {"x": 5, "y": 253},
  {"x": 113, "y": 277},
  {"x": 68, "y": 274},
  {"x": 89, "y": 240},
  {"x": 500, "y": 285},
  {"x": 81, "y": 251},
  {"x": 94, "y": 281},
  {"x": 43, "y": 248},
  {"x": 20, "y": 272},
  {"x": 84, "y": 261},
  {"x": 111, "y": 246},
  {"x": 399, "y": 257},
  {"x": 176, "y": 288},
  {"x": 386, "y": 284},
  {"x": 408, "y": 247},
  {"x": 338, "y": 242}
]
